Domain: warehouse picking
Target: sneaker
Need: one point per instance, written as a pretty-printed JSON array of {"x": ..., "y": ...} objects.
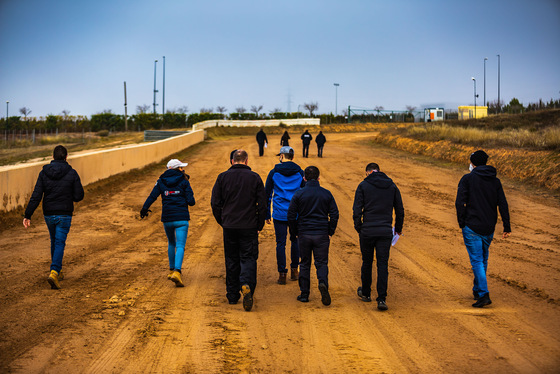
[
  {"x": 303, "y": 298},
  {"x": 60, "y": 275},
  {"x": 282, "y": 278},
  {"x": 53, "y": 280},
  {"x": 232, "y": 302},
  {"x": 367, "y": 299},
  {"x": 325, "y": 296},
  {"x": 381, "y": 305},
  {"x": 484, "y": 300},
  {"x": 247, "y": 297},
  {"x": 170, "y": 274},
  {"x": 176, "y": 278},
  {"x": 294, "y": 275},
  {"x": 475, "y": 295}
]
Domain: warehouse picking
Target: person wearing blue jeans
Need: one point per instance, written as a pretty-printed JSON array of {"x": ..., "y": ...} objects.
[
  {"x": 176, "y": 196},
  {"x": 478, "y": 195},
  {"x": 59, "y": 187}
]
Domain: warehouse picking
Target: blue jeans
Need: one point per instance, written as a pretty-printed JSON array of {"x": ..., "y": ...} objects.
[
  {"x": 281, "y": 230},
  {"x": 176, "y": 232},
  {"x": 58, "y": 226},
  {"x": 477, "y": 246}
]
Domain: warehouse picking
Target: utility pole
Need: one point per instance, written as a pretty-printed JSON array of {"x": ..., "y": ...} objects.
[
  {"x": 125, "y": 114},
  {"x": 485, "y": 58},
  {"x": 163, "y": 100},
  {"x": 155, "y": 91},
  {"x": 336, "y": 98},
  {"x": 499, "y": 104}
]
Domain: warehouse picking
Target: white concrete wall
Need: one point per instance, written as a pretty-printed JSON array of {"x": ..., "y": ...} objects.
[
  {"x": 17, "y": 181},
  {"x": 256, "y": 123}
]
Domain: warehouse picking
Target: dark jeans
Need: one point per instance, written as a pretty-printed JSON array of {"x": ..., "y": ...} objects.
[
  {"x": 58, "y": 226},
  {"x": 318, "y": 246},
  {"x": 381, "y": 245},
  {"x": 261, "y": 149},
  {"x": 281, "y": 230},
  {"x": 241, "y": 250},
  {"x": 306, "y": 150},
  {"x": 320, "y": 150}
]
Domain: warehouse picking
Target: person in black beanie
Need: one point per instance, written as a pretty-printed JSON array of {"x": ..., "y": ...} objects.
[{"x": 478, "y": 195}]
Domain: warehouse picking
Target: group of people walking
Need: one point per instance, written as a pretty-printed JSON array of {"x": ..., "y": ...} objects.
[
  {"x": 306, "y": 139},
  {"x": 302, "y": 212}
]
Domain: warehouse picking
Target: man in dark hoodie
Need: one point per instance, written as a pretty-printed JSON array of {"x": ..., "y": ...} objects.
[
  {"x": 239, "y": 206},
  {"x": 375, "y": 199},
  {"x": 282, "y": 182},
  {"x": 306, "y": 140},
  {"x": 262, "y": 140},
  {"x": 320, "y": 140},
  {"x": 59, "y": 186},
  {"x": 478, "y": 195},
  {"x": 176, "y": 196}
]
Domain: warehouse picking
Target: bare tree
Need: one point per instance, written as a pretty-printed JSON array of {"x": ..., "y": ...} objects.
[
  {"x": 344, "y": 112},
  {"x": 25, "y": 111},
  {"x": 206, "y": 110},
  {"x": 107, "y": 111},
  {"x": 276, "y": 110},
  {"x": 240, "y": 109},
  {"x": 65, "y": 113},
  {"x": 379, "y": 108},
  {"x": 311, "y": 107},
  {"x": 410, "y": 108},
  {"x": 256, "y": 109},
  {"x": 142, "y": 109},
  {"x": 221, "y": 109},
  {"x": 182, "y": 109}
]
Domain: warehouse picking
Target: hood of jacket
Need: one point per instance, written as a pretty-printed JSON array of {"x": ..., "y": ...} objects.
[
  {"x": 57, "y": 169},
  {"x": 172, "y": 177},
  {"x": 287, "y": 168},
  {"x": 485, "y": 171},
  {"x": 379, "y": 180}
]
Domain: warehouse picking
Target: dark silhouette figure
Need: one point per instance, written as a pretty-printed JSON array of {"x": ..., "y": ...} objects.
[
  {"x": 262, "y": 140},
  {"x": 320, "y": 140},
  {"x": 285, "y": 141},
  {"x": 306, "y": 139}
]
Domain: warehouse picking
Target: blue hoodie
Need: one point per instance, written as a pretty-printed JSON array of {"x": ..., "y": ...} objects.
[
  {"x": 176, "y": 195},
  {"x": 284, "y": 180}
]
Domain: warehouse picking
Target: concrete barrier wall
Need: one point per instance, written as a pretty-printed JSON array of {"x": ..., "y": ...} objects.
[
  {"x": 257, "y": 123},
  {"x": 17, "y": 181}
]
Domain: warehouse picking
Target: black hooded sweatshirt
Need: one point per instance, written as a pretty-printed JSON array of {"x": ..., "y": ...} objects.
[
  {"x": 374, "y": 201},
  {"x": 176, "y": 196},
  {"x": 59, "y": 186},
  {"x": 478, "y": 195}
]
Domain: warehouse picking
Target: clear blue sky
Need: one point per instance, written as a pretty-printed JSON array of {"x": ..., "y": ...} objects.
[{"x": 75, "y": 55}]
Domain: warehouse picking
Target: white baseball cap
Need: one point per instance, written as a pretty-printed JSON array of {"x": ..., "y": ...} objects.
[{"x": 174, "y": 164}]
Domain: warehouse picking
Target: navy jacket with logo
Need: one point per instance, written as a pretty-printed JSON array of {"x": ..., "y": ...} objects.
[
  {"x": 176, "y": 196},
  {"x": 284, "y": 180}
]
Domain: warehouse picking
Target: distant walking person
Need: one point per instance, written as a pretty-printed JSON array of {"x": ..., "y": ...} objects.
[
  {"x": 176, "y": 196},
  {"x": 478, "y": 195},
  {"x": 306, "y": 139},
  {"x": 281, "y": 184},
  {"x": 312, "y": 218},
  {"x": 59, "y": 186},
  {"x": 239, "y": 206},
  {"x": 320, "y": 140},
  {"x": 375, "y": 199},
  {"x": 262, "y": 140},
  {"x": 285, "y": 140}
]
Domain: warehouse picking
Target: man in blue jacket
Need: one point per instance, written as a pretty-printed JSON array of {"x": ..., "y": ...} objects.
[
  {"x": 375, "y": 199},
  {"x": 478, "y": 195},
  {"x": 282, "y": 182},
  {"x": 59, "y": 186},
  {"x": 312, "y": 218}
]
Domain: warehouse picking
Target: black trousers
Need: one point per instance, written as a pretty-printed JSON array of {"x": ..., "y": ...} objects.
[
  {"x": 306, "y": 150},
  {"x": 241, "y": 250},
  {"x": 381, "y": 245},
  {"x": 318, "y": 247},
  {"x": 261, "y": 149},
  {"x": 320, "y": 150}
]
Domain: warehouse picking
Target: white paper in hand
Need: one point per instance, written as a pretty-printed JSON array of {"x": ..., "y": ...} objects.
[
  {"x": 395, "y": 237},
  {"x": 266, "y": 145}
]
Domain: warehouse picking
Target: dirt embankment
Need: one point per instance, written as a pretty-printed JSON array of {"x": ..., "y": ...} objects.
[{"x": 117, "y": 312}]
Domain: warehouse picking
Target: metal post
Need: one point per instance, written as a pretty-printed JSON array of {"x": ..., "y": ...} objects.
[
  {"x": 125, "y": 113},
  {"x": 7, "y": 116},
  {"x": 485, "y": 58},
  {"x": 499, "y": 104},
  {"x": 155, "y": 91},
  {"x": 336, "y": 99},
  {"x": 474, "y": 81},
  {"x": 163, "y": 100}
]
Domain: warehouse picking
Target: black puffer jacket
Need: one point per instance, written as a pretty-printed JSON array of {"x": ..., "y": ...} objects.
[
  {"x": 374, "y": 201},
  {"x": 59, "y": 186},
  {"x": 176, "y": 196},
  {"x": 478, "y": 195}
]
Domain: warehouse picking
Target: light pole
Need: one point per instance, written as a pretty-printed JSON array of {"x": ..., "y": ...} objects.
[
  {"x": 499, "y": 104},
  {"x": 155, "y": 65},
  {"x": 475, "y": 95},
  {"x": 336, "y": 98},
  {"x": 163, "y": 99},
  {"x": 485, "y": 58},
  {"x": 7, "y": 103}
]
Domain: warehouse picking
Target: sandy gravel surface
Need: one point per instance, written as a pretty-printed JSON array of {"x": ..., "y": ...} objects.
[{"x": 117, "y": 312}]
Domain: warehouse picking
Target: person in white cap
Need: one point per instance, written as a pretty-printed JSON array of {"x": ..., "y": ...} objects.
[{"x": 176, "y": 196}]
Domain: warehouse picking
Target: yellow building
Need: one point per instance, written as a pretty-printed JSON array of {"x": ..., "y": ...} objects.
[{"x": 470, "y": 111}]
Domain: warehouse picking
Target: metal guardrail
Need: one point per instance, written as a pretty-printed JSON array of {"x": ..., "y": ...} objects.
[{"x": 153, "y": 135}]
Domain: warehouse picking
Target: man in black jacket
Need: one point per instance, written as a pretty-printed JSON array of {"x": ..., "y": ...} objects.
[
  {"x": 262, "y": 140},
  {"x": 59, "y": 186},
  {"x": 320, "y": 140},
  {"x": 312, "y": 218},
  {"x": 375, "y": 199},
  {"x": 306, "y": 138},
  {"x": 239, "y": 206},
  {"x": 478, "y": 195}
]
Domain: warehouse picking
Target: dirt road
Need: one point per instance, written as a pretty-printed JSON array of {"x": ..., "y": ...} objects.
[{"x": 117, "y": 312}]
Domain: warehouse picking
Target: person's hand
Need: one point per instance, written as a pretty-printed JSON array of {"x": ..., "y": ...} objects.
[
  {"x": 506, "y": 235},
  {"x": 268, "y": 222},
  {"x": 144, "y": 213},
  {"x": 26, "y": 222}
]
